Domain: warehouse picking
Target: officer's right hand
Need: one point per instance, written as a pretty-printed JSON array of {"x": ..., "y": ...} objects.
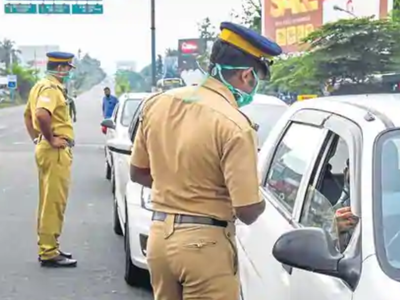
[
  {"x": 345, "y": 219},
  {"x": 58, "y": 143}
]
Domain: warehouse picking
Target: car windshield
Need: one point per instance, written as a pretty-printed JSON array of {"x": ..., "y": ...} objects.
[
  {"x": 387, "y": 201},
  {"x": 265, "y": 115},
  {"x": 130, "y": 107}
]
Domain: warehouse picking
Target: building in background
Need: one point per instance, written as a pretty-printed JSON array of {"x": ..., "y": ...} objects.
[
  {"x": 288, "y": 22},
  {"x": 126, "y": 65},
  {"x": 35, "y": 56}
]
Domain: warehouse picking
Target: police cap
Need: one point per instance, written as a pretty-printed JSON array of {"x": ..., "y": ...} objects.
[
  {"x": 256, "y": 46},
  {"x": 61, "y": 58}
]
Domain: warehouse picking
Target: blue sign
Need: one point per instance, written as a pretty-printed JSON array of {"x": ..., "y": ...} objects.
[
  {"x": 20, "y": 8},
  {"x": 12, "y": 81},
  {"x": 87, "y": 9},
  {"x": 54, "y": 9}
]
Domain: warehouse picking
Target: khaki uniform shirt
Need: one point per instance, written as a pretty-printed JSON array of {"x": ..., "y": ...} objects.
[
  {"x": 202, "y": 154},
  {"x": 48, "y": 94}
]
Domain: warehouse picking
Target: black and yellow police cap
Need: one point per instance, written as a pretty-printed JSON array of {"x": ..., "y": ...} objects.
[
  {"x": 250, "y": 42},
  {"x": 62, "y": 58}
]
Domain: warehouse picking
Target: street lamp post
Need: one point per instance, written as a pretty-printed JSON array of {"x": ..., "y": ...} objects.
[
  {"x": 338, "y": 8},
  {"x": 153, "y": 44}
]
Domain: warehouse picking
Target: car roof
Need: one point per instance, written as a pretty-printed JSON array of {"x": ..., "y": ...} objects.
[
  {"x": 138, "y": 96},
  {"x": 387, "y": 105},
  {"x": 265, "y": 99}
]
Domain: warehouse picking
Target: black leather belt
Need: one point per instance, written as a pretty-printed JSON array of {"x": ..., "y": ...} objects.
[{"x": 185, "y": 219}]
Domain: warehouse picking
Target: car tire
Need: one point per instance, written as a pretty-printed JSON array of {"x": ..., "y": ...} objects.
[
  {"x": 116, "y": 223},
  {"x": 134, "y": 276},
  {"x": 108, "y": 171}
]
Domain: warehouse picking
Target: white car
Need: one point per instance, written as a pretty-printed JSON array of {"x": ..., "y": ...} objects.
[
  {"x": 133, "y": 202},
  {"x": 131, "y": 215},
  {"x": 325, "y": 154},
  {"x": 117, "y": 126}
]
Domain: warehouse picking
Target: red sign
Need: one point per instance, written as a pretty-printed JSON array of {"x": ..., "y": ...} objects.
[{"x": 189, "y": 47}]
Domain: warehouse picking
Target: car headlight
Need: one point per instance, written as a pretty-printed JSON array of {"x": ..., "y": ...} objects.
[{"x": 146, "y": 199}]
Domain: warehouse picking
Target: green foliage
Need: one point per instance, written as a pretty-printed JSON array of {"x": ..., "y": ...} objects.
[
  {"x": 88, "y": 73},
  {"x": 250, "y": 15},
  {"x": 129, "y": 81},
  {"x": 8, "y": 52},
  {"x": 206, "y": 30},
  {"x": 171, "y": 52},
  {"x": 160, "y": 67}
]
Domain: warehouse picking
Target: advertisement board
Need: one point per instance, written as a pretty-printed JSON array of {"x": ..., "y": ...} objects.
[{"x": 287, "y": 22}]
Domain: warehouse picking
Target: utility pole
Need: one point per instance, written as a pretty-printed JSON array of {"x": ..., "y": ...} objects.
[{"x": 153, "y": 44}]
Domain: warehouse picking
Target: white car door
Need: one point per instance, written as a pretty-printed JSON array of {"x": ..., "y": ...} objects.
[
  {"x": 343, "y": 144},
  {"x": 262, "y": 277},
  {"x": 121, "y": 147},
  {"x": 111, "y": 135}
]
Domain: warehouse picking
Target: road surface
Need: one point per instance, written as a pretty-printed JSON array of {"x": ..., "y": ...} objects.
[{"x": 87, "y": 232}]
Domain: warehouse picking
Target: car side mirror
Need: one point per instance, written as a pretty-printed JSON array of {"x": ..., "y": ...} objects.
[
  {"x": 310, "y": 249},
  {"x": 108, "y": 123}
]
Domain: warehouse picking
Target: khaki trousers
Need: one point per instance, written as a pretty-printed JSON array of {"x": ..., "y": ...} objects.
[
  {"x": 192, "y": 262},
  {"x": 54, "y": 168}
]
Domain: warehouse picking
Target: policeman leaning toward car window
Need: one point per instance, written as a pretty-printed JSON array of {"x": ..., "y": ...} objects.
[
  {"x": 49, "y": 125},
  {"x": 198, "y": 153}
]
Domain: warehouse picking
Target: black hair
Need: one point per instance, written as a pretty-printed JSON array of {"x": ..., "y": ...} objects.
[
  {"x": 106, "y": 88},
  {"x": 224, "y": 53},
  {"x": 52, "y": 66}
]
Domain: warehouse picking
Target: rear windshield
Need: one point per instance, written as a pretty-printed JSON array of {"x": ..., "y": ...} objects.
[
  {"x": 265, "y": 115},
  {"x": 130, "y": 106}
]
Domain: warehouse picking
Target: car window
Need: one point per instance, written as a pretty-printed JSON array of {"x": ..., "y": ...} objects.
[
  {"x": 290, "y": 162},
  {"x": 115, "y": 113},
  {"x": 328, "y": 191},
  {"x": 134, "y": 122},
  {"x": 387, "y": 201},
  {"x": 129, "y": 109},
  {"x": 264, "y": 115}
]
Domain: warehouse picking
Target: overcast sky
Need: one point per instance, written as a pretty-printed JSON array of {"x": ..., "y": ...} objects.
[{"x": 122, "y": 33}]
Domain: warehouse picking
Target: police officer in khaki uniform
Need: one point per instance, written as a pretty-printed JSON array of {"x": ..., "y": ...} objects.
[
  {"x": 198, "y": 153},
  {"x": 49, "y": 125}
]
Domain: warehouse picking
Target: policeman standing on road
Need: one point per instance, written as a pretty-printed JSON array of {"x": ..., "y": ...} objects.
[
  {"x": 71, "y": 105},
  {"x": 198, "y": 153},
  {"x": 49, "y": 124}
]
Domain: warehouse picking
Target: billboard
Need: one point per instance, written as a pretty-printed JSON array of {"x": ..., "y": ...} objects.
[{"x": 287, "y": 22}]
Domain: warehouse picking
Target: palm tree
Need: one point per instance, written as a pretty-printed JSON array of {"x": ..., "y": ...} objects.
[
  {"x": 8, "y": 53},
  {"x": 171, "y": 52}
]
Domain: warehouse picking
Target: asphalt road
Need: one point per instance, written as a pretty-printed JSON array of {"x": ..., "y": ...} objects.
[{"x": 87, "y": 231}]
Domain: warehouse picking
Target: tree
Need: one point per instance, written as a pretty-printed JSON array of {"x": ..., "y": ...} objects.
[
  {"x": 8, "y": 52},
  {"x": 27, "y": 77},
  {"x": 206, "y": 30},
  {"x": 396, "y": 11},
  {"x": 171, "y": 52},
  {"x": 251, "y": 14},
  {"x": 160, "y": 67},
  {"x": 353, "y": 50},
  {"x": 88, "y": 73}
]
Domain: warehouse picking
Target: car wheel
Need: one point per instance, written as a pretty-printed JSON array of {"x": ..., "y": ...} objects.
[
  {"x": 134, "y": 276},
  {"x": 116, "y": 223},
  {"x": 108, "y": 171}
]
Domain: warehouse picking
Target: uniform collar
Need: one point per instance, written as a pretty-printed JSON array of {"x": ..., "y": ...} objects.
[
  {"x": 220, "y": 88},
  {"x": 54, "y": 80}
]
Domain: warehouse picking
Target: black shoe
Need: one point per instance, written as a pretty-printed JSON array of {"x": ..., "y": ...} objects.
[
  {"x": 64, "y": 254},
  {"x": 59, "y": 262}
]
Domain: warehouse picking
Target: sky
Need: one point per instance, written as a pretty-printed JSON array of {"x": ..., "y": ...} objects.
[{"x": 122, "y": 32}]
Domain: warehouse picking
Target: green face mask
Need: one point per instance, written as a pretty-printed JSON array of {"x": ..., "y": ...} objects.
[
  {"x": 242, "y": 98},
  {"x": 64, "y": 76}
]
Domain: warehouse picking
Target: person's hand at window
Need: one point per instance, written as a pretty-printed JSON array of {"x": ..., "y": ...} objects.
[{"x": 345, "y": 219}]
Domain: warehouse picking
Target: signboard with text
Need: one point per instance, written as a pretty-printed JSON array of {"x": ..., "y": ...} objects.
[{"x": 287, "y": 22}]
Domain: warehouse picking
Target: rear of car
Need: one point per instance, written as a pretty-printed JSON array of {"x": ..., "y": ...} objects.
[{"x": 265, "y": 111}]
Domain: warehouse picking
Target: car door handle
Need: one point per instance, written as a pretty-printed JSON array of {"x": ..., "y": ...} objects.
[{"x": 287, "y": 268}]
